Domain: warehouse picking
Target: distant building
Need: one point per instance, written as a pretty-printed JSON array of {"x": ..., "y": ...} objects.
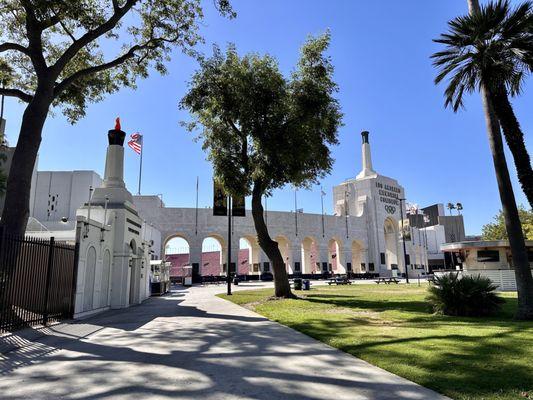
[
  {"x": 490, "y": 258},
  {"x": 438, "y": 228}
]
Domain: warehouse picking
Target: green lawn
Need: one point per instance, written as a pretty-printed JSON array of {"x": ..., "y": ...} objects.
[{"x": 392, "y": 327}]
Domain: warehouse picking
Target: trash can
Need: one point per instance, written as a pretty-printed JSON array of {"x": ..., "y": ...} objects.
[
  {"x": 298, "y": 284},
  {"x": 306, "y": 284},
  {"x": 236, "y": 281}
]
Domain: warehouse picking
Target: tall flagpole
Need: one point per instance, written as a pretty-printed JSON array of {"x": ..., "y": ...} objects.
[
  {"x": 196, "y": 219},
  {"x": 322, "y": 203},
  {"x": 141, "y": 165}
]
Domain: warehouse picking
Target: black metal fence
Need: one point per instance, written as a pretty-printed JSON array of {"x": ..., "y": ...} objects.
[{"x": 37, "y": 281}]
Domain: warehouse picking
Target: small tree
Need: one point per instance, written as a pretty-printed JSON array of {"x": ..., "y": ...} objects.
[
  {"x": 60, "y": 53},
  {"x": 263, "y": 131},
  {"x": 496, "y": 229}
]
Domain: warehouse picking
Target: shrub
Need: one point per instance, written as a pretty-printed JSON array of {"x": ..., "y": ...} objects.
[{"x": 468, "y": 296}]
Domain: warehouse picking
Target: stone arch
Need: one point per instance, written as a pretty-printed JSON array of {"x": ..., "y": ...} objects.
[
  {"x": 284, "y": 246},
  {"x": 358, "y": 263},
  {"x": 336, "y": 256},
  {"x": 390, "y": 231},
  {"x": 309, "y": 255},
  {"x": 90, "y": 272},
  {"x": 213, "y": 256},
  {"x": 179, "y": 255},
  {"x": 254, "y": 254}
]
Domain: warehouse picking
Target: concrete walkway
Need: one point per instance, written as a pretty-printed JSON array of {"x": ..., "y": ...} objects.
[{"x": 191, "y": 345}]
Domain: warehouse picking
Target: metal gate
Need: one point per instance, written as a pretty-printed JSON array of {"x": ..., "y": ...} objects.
[{"x": 37, "y": 281}]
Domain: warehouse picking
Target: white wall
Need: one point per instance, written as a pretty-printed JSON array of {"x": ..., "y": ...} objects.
[{"x": 59, "y": 194}]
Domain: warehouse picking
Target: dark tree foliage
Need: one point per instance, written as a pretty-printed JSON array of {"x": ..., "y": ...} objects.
[
  {"x": 68, "y": 54},
  {"x": 263, "y": 130},
  {"x": 493, "y": 48}
]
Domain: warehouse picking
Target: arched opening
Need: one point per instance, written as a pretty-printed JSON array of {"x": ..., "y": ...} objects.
[
  {"x": 390, "y": 229},
  {"x": 284, "y": 246},
  {"x": 310, "y": 256},
  {"x": 358, "y": 265},
  {"x": 251, "y": 252},
  {"x": 244, "y": 260},
  {"x": 106, "y": 278},
  {"x": 90, "y": 271},
  {"x": 213, "y": 256},
  {"x": 177, "y": 252},
  {"x": 336, "y": 262}
]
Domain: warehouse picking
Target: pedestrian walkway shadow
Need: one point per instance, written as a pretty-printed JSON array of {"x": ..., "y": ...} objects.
[{"x": 167, "y": 349}]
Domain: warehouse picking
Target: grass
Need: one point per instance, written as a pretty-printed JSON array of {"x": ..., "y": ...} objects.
[{"x": 392, "y": 327}]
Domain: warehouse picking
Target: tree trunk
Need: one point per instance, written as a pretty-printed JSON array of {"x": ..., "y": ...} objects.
[
  {"x": 515, "y": 140},
  {"x": 16, "y": 207},
  {"x": 524, "y": 280},
  {"x": 269, "y": 246}
]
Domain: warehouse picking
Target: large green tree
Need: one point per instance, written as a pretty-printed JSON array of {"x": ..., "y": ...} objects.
[
  {"x": 453, "y": 64},
  {"x": 263, "y": 130},
  {"x": 493, "y": 46},
  {"x": 67, "y": 54},
  {"x": 496, "y": 230}
]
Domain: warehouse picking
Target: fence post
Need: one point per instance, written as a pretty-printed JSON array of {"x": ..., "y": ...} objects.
[
  {"x": 3, "y": 271},
  {"x": 48, "y": 279}
]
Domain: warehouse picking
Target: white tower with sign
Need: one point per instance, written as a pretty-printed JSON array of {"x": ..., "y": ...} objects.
[{"x": 376, "y": 198}]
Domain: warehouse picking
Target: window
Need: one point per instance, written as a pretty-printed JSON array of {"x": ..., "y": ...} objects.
[
  {"x": 297, "y": 267},
  {"x": 363, "y": 267},
  {"x": 266, "y": 266},
  {"x": 325, "y": 266},
  {"x": 371, "y": 266},
  {"x": 488, "y": 256},
  {"x": 349, "y": 267},
  {"x": 382, "y": 257}
]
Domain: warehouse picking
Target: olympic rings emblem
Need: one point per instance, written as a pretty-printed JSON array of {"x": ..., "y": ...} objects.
[{"x": 390, "y": 209}]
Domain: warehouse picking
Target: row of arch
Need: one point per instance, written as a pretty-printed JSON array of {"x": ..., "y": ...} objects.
[{"x": 307, "y": 256}]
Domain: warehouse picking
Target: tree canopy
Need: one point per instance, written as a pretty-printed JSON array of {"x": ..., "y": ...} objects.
[
  {"x": 496, "y": 230},
  {"x": 492, "y": 47},
  {"x": 263, "y": 130},
  {"x": 91, "y": 48},
  {"x": 259, "y": 126}
]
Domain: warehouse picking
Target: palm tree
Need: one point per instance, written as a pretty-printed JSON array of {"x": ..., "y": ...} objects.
[
  {"x": 493, "y": 46},
  {"x": 464, "y": 61}
]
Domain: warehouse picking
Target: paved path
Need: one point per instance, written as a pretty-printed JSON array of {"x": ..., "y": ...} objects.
[{"x": 191, "y": 345}]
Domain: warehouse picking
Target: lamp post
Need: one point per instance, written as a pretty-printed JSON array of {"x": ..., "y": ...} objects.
[
  {"x": 346, "y": 210},
  {"x": 403, "y": 242},
  {"x": 228, "y": 267},
  {"x": 426, "y": 221}
]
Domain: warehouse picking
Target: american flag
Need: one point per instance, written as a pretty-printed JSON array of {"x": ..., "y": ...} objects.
[{"x": 136, "y": 142}]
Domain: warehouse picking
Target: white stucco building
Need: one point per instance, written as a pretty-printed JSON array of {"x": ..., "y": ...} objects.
[{"x": 362, "y": 236}]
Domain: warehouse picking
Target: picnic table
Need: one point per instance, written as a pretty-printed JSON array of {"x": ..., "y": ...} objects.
[
  {"x": 340, "y": 280},
  {"x": 387, "y": 281}
]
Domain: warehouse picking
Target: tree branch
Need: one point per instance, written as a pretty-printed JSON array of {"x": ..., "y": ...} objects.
[
  {"x": 14, "y": 46},
  {"x": 16, "y": 93},
  {"x": 60, "y": 87},
  {"x": 92, "y": 35}
]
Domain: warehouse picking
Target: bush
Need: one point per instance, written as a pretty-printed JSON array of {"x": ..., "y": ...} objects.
[{"x": 467, "y": 296}]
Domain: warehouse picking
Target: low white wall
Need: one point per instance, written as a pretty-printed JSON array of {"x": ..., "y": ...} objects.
[{"x": 503, "y": 278}]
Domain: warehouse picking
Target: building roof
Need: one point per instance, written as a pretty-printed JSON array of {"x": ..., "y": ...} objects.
[{"x": 478, "y": 244}]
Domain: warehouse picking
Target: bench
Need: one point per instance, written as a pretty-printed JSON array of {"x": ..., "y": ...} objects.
[
  {"x": 339, "y": 281},
  {"x": 387, "y": 281}
]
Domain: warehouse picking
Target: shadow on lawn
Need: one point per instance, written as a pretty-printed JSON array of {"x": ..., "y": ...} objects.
[
  {"x": 457, "y": 356},
  {"x": 349, "y": 301}
]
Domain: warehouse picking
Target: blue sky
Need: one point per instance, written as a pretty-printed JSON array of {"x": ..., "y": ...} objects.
[{"x": 380, "y": 50}]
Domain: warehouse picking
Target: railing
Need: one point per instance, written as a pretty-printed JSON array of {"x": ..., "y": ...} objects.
[{"x": 37, "y": 281}]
